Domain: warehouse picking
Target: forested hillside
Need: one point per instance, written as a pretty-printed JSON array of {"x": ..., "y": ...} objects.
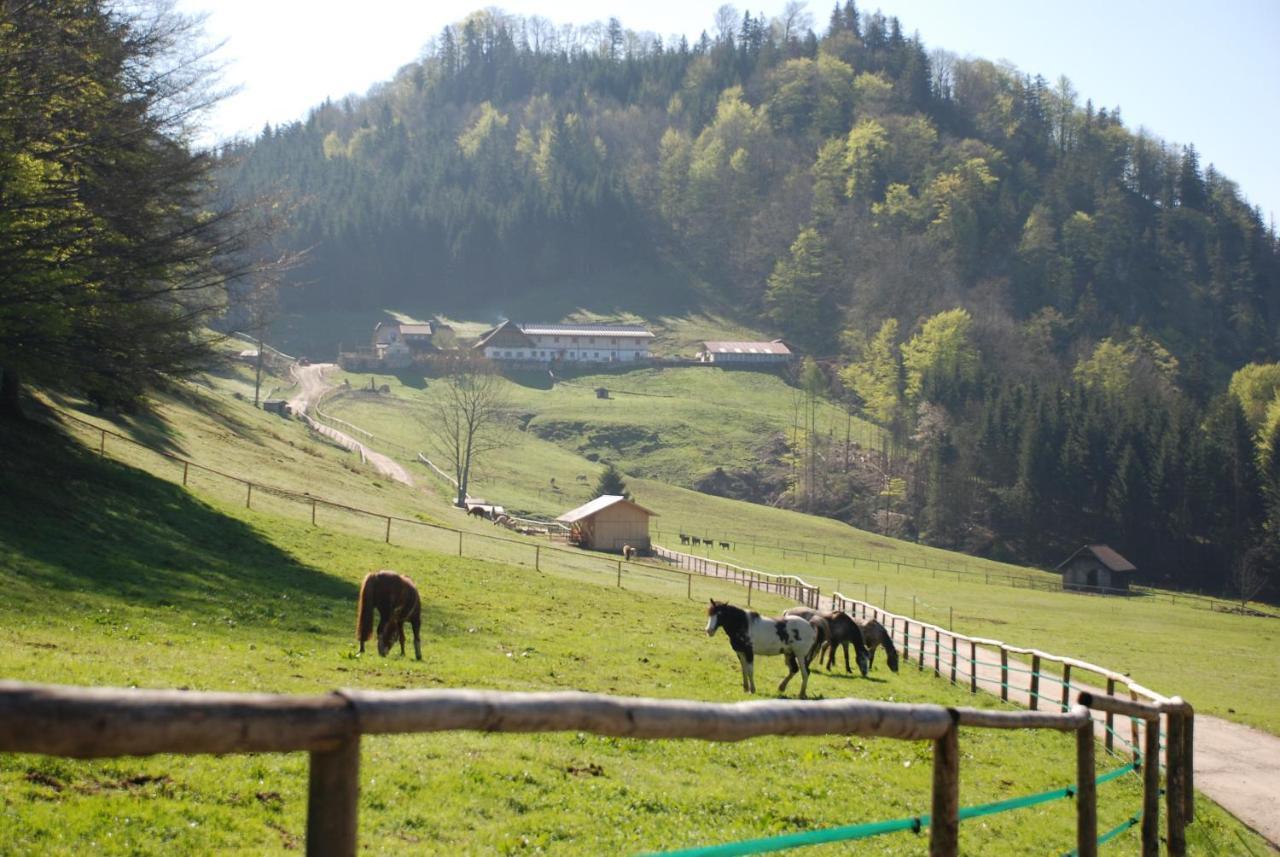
[{"x": 1044, "y": 306}]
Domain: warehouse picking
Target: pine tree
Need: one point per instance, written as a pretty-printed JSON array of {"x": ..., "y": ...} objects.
[{"x": 612, "y": 483}]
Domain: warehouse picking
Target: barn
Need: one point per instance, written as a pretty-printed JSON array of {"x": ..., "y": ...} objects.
[
  {"x": 1095, "y": 567},
  {"x": 609, "y": 522}
]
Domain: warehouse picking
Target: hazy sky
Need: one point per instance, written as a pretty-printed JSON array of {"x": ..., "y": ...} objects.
[{"x": 1189, "y": 71}]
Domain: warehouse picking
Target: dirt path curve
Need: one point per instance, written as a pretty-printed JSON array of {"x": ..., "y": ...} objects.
[
  {"x": 1235, "y": 765},
  {"x": 311, "y": 386}
]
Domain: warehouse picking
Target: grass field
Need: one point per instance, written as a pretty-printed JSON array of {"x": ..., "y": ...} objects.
[
  {"x": 115, "y": 577},
  {"x": 1225, "y": 663}
]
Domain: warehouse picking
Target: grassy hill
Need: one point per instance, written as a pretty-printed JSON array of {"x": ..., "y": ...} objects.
[
  {"x": 117, "y": 576},
  {"x": 695, "y": 416}
]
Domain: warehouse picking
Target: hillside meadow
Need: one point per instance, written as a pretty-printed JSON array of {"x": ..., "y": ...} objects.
[
  {"x": 115, "y": 577},
  {"x": 1176, "y": 645}
]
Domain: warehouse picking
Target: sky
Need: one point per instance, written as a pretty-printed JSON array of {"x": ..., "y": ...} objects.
[{"x": 1188, "y": 71}]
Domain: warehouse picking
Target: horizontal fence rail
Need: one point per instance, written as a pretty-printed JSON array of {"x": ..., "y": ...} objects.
[{"x": 105, "y": 722}]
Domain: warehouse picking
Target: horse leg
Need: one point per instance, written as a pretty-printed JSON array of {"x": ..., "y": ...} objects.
[
  {"x": 417, "y": 644},
  {"x": 871, "y": 655},
  {"x": 804, "y": 680},
  {"x": 748, "y": 680},
  {"x": 400, "y": 633},
  {"x": 793, "y": 667}
]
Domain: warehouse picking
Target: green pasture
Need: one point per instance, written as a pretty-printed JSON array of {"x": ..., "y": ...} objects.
[
  {"x": 670, "y": 424},
  {"x": 114, "y": 576},
  {"x": 1222, "y": 662}
]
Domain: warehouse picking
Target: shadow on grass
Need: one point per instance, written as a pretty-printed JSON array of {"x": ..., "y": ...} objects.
[{"x": 74, "y": 525}]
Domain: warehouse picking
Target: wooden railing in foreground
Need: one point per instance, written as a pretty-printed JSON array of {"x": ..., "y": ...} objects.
[
  {"x": 1178, "y": 715},
  {"x": 104, "y": 722}
]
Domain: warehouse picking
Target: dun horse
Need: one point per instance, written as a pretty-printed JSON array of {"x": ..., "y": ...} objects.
[
  {"x": 396, "y": 600},
  {"x": 751, "y": 634}
]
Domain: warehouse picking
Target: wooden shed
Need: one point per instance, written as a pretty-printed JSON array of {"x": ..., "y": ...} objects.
[
  {"x": 609, "y": 522},
  {"x": 1096, "y": 567}
]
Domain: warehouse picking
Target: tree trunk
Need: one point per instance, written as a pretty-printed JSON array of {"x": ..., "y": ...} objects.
[{"x": 10, "y": 387}]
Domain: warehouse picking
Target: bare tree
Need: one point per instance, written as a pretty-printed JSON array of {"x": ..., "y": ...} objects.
[
  {"x": 794, "y": 20},
  {"x": 466, "y": 418}
]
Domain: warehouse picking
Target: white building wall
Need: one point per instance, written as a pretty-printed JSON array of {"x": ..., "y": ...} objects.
[{"x": 587, "y": 349}]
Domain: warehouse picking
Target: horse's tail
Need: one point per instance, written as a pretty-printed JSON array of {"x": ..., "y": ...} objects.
[
  {"x": 364, "y": 611},
  {"x": 890, "y": 650},
  {"x": 821, "y": 636}
]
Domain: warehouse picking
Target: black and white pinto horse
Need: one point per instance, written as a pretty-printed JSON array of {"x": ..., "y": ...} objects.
[{"x": 751, "y": 634}]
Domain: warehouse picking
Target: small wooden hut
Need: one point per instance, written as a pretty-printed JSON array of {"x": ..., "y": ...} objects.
[
  {"x": 1096, "y": 567},
  {"x": 609, "y": 522}
]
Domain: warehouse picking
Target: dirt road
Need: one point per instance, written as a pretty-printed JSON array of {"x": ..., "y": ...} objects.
[{"x": 311, "y": 386}]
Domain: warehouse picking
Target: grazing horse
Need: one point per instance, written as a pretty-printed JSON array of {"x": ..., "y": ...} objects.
[
  {"x": 724, "y": 545},
  {"x": 397, "y": 602},
  {"x": 684, "y": 539},
  {"x": 843, "y": 631},
  {"x": 874, "y": 635},
  {"x": 750, "y": 634},
  {"x": 477, "y": 512},
  {"x": 628, "y": 552}
]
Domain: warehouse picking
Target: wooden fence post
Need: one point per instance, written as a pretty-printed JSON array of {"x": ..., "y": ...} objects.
[
  {"x": 1086, "y": 793},
  {"x": 459, "y": 542},
  {"x": 1035, "y": 682},
  {"x": 185, "y": 465},
  {"x": 1133, "y": 728},
  {"x": 906, "y": 640},
  {"x": 924, "y": 638},
  {"x": 1066, "y": 687},
  {"x": 1188, "y": 755},
  {"x": 973, "y": 667},
  {"x": 1004, "y": 673},
  {"x": 248, "y": 497},
  {"x": 332, "y": 800},
  {"x": 619, "y": 574},
  {"x": 388, "y": 538},
  {"x": 749, "y": 582},
  {"x": 102, "y": 443},
  {"x": 537, "y": 557},
  {"x": 688, "y": 590},
  {"x": 954, "y": 658},
  {"x": 1151, "y": 791},
  {"x": 1175, "y": 767},
  {"x": 944, "y": 829},
  {"x": 1111, "y": 718},
  {"x": 937, "y": 652}
]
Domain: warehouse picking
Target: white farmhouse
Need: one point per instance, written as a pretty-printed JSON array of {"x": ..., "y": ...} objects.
[{"x": 571, "y": 343}]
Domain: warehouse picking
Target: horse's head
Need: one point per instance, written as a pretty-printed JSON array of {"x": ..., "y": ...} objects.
[
  {"x": 864, "y": 662},
  {"x": 713, "y": 616},
  {"x": 388, "y": 636}
]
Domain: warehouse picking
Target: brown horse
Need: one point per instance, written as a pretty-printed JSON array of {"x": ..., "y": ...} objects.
[
  {"x": 397, "y": 602},
  {"x": 875, "y": 635},
  {"x": 841, "y": 631}
]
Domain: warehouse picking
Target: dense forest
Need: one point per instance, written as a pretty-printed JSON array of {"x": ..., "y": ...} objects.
[{"x": 1065, "y": 325}]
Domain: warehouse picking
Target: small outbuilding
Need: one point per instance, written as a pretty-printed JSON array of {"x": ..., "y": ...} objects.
[
  {"x": 1096, "y": 567},
  {"x": 608, "y": 523}
]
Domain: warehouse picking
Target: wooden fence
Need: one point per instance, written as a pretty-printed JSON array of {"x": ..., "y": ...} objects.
[
  {"x": 786, "y": 585},
  {"x": 1141, "y": 704},
  {"x": 82, "y": 722}
]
